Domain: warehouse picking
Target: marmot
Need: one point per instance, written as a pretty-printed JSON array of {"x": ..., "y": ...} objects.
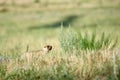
[{"x": 35, "y": 54}]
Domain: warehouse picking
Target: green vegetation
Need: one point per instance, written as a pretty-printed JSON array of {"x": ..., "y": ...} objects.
[
  {"x": 71, "y": 40},
  {"x": 89, "y": 50}
]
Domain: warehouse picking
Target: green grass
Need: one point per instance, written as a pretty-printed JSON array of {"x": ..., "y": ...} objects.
[
  {"x": 71, "y": 40},
  {"x": 94, "y": 28}
]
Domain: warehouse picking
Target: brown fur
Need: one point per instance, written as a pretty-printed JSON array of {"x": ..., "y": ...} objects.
[{"x": 33, "y": 54}]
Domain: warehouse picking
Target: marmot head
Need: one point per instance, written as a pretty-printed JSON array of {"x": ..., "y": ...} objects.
[{"x": 47, "y": 48}]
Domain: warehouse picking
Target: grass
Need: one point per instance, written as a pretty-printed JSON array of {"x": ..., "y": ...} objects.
[
  {"x": 92, "y": 26},
  {"x": 88, "y": 65},
  {"x": 70, "y": 40}
]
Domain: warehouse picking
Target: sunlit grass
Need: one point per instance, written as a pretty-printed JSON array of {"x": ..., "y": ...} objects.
[
  {"x": 71, "y": 40},
  {"x": 17, "y": 30},
  {"x": 62, "y": 66}
]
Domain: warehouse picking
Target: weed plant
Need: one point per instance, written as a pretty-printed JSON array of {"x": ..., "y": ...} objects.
[{"x": 71, "y": 40}]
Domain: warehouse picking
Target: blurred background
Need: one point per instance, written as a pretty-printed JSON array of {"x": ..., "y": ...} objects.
[{"x": 38, "y": 22}]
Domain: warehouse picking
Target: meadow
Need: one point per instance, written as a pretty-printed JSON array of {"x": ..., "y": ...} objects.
[{"x": 85, "y": 35}]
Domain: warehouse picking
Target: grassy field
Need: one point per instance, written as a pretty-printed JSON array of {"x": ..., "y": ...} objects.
[{"x": 27, "y": 22}]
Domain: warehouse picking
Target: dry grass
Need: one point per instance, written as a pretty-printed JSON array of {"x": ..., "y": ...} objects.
[
  {"x": 86, "y": 65},
  {"x": 16, "y": 19}
]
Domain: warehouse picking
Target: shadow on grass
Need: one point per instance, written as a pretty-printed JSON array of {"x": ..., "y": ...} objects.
[{"x": 66, "y": 21}]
